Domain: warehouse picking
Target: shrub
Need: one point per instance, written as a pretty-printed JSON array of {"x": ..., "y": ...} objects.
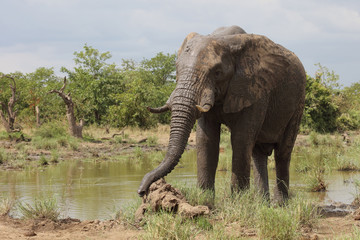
[
  {"x": 6, "y": 205},
  {"x": 41, "y": 209},
  {"x": 348, "y": 121},
  {"x": 3, "y": 156},
  {"x": 51, "y": 130}
]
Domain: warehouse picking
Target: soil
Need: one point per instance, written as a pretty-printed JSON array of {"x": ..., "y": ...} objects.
[
  {"x": 328, "y": 227},
  {"x": 65, "y": 229},
  {"x": 333, "y": 224}
]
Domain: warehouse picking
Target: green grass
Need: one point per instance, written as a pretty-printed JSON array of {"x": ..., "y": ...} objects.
[
  {"x": 169, "y": 226},
  {"x": 4, "y": 135},
  {"x": 43, "y": 161},
  {"x": 51, "y": 130},
  {"x": 3, "y": 156},
  {"x": 275, "y": 223},
  {"x": 6, "y": 204},
  {"x": 54, "y": 157},
  {"x": 196, "y": 196},
  {"x": 152, "y": 141},
  {"x": 231, "y": 212},
  {"x": 42, "y": 208}
]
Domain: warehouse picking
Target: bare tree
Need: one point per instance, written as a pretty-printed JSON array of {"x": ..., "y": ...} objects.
[
  {"x": 75, "y": 130},
  {"x": 8, "y": 119},
  {"x": 37, "y": 114}
]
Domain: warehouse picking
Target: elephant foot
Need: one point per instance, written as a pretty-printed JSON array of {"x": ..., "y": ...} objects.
[{"x": 280, "y": 198}]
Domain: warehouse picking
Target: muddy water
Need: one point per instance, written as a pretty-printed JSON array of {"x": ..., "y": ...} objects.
[{"x": 95, "y": 190}]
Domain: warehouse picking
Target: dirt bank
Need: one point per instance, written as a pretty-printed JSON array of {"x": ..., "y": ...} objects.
[
  {"x": 328, "y": 228},
  {"x": 65, "y": 229}
]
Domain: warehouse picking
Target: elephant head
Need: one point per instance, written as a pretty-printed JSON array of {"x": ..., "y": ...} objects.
[{"x": 210, "y": 70}]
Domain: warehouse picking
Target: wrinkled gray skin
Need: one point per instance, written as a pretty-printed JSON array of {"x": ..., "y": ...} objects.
[{"x": 250, "y": 84}]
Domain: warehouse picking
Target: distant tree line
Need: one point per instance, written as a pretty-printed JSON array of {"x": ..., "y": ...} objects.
[
  {"x": 107, "y": 94},
  {"x": 328, "y": 106}
]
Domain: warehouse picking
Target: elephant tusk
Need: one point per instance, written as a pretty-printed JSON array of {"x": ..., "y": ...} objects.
[
  {"x": 205, "y": 108},
  {"x": 162, "y": 109}
]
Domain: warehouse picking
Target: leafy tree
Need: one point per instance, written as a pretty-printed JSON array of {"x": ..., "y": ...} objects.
[
  {"x": 349, "y": 108},
  {"x": 148, "y": 84},
  {"x": 352, "y": 97},
  {"x": 38, "y": 84},
  {"x": 320, "y": 111},
  {"x": 328, "y": 107},
  {"x": 92, "y": 83},
  {"x": 329, "y": 79},
  {"x": 160, "y": 69}
]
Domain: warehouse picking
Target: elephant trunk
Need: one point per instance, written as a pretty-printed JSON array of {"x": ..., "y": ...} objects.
[{"x": 182, "y": 121}]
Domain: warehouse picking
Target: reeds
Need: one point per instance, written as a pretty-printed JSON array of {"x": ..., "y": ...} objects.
[{"x": 42, "y": 208}]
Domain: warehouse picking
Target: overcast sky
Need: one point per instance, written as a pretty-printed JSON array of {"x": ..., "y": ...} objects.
[{"x": 46, "y": 33}]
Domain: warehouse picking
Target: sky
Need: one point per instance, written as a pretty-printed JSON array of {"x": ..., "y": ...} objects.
[{"x": 46, "y": 33}]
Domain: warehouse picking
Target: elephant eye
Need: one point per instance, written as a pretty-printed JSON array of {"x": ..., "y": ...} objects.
[{"x": 218, "y": 73}]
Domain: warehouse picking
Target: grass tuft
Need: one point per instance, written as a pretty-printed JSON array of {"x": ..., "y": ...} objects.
[
  {"x": 275, "y": 223},
  {"x": 43, "y": 161},
  {"x": 6, "y": 204},
  {"x": 3, "y": 156},
  {"x": 170, "y": 226},
  {"x": 43, "y": 208}
]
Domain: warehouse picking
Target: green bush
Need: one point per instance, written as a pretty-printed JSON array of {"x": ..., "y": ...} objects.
[
  {"x": 348, "y": 121},
  {"x": 320, "y": 111},
  {"x": 52, "y": 129},
  {"x": 3, "y": 156}
]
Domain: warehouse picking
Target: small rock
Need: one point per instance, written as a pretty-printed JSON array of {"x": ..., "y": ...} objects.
[{"x": 30, "y": 233}]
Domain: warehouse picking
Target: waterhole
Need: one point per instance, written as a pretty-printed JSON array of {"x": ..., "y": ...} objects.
[{"x": 96, "y": 190}]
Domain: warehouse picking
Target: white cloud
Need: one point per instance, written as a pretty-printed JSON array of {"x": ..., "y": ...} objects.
[{"x": 47, "y": 32}]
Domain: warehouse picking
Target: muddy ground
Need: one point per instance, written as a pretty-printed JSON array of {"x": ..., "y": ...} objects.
[
  {"x": 329, "y": 227},
  {"x": 332, "y": 225}
]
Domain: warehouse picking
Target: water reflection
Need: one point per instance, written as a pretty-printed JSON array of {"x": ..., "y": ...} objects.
[{"x": 93, "y": 190}]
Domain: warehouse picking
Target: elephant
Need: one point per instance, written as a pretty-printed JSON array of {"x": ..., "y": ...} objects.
[{"x": 247, "y": 82}]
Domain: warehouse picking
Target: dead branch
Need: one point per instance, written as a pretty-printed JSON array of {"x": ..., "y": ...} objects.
[{"x": 75, "y": 129}]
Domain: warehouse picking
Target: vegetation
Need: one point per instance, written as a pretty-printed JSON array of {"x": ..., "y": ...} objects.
[
  {"x": 6, "y": 204},
  {"x": 235, "y": 216},
  {"x": 43, "y": 208},
  {"x": 106, "y": 96},
  {"x": 328, "y": 107},
  {"x": 113, "y": 95}
]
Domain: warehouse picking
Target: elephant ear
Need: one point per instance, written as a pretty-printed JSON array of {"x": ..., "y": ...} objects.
[
  {"x": 259, "y": 65},
  {"x": 188, "y": 37}
]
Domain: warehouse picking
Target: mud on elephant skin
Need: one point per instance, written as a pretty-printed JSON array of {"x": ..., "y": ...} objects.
[{"x": 247, "y": 82}]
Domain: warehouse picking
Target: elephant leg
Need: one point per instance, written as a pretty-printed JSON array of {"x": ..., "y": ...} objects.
[
  {"x": 283, "y": 156},
  {"x": 260, "y": 160},
  {"x": 282, "y": 161},
  {"x": 240, "y": 177},
  {"x": 207, "y": 143},
  {"x": 243, "y": 134}
]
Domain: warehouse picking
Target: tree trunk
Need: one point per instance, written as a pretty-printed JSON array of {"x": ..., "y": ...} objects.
[
  {"x": 5, "y": 122},
  {"x": 75, "y": 130},
  {"x": 37, "y": 113},
  {"x": 9, "y": 119}
]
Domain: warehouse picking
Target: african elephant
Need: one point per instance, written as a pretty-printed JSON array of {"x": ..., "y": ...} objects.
[{"x": 247, "y": 82}]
